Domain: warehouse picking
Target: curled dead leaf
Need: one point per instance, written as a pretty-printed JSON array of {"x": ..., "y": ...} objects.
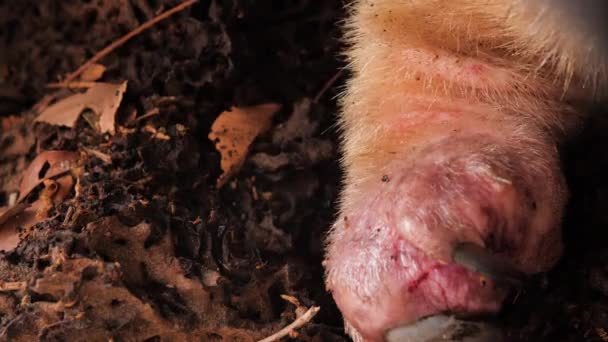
[
  {"x": 46, "y": 101},
  {"x": 26, "y": 215},
  {"x": 19, "y": 215},
  {"x": 7, "y": 213},
  {"x": 103, "y": 99},
  {"x": 93, "y": 73},
  {"x": 46, "y": 165},
  {"x": 10, "y": 220},
  {"x": 235, "y": 130}
]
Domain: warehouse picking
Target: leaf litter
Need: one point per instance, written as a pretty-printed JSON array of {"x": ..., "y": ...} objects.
[
  {"x": 46, "y": 165},
  {"x": 41, "y": 171},
  {"x": 235, "y": 130},
  {"x": 103, "y": 99},
  {"x": 134, "y": 238}
]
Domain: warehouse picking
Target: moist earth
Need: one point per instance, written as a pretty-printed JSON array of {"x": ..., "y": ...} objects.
[{"x": 149, "y": 249}]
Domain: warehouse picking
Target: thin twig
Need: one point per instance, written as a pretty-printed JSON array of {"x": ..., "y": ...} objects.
[
  {"x": 298, "y": 323},
  {"x": 327, "y": 85},
  {"x": 12, "y": 286},
  {"x": 126, "y": 37},
  {"x": 150, "y": 113},
  {"x": 71, "y": 85},
  {"x": 107, "y": 159}
]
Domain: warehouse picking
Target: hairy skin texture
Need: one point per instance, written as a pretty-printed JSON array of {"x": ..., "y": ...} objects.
[{"x": 451, "y": 125}]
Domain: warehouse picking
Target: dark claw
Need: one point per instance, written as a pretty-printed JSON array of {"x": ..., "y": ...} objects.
[
  {"x": 445, "y": 328},
  {"x": 480, "y": 260}
]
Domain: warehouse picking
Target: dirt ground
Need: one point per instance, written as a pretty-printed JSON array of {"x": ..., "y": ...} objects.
[{"x": 125, "y": 236}]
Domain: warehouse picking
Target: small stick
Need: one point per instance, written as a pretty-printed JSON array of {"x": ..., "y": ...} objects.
[
  {"x": 12, "y": 286},
  {"x": 298, "y": 323},
  {"x": 70, "y": 85},
  {"x": 327, "y": 85},
  {"x": 99, "y": 155},
  {"x": 126, "y": 37},
  {"x": 150, "y": 113}
]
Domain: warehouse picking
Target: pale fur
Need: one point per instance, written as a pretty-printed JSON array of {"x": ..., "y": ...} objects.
[
  {"x": 542, "y": 70},
  {"x": 535, "y": 77}
]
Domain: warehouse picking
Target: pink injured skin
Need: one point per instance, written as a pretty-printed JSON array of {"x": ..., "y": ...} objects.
[
  {"x": 443, "y": 145},
  {"x": 390, "y": 258}
]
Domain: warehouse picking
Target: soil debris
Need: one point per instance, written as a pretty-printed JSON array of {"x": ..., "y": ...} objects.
[{"x": 91, "y": 62}]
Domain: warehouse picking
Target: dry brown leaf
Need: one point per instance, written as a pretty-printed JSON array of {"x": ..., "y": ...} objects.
[
  {"x": 11, "y": 219},
  {"x": 103, "y": 99},
  {"x": 93, "y": 73},
  {"x": 45, "y": 102},
  {"x": 235, "y": 130},
  {"x": 46, "y": 165},
  {"x": 8, "y": 213},
  {"x": 26, "y": 215},
  {"x": 20, "y": 215}
]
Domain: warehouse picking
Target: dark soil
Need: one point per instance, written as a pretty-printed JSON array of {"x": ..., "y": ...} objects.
[{"x": 148, "y": 249}]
